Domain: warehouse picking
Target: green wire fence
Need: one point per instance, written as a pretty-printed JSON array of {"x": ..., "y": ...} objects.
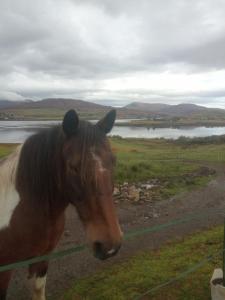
[
  {"x": 128, "y": 236},
  {"x": 179, "y": 276}
]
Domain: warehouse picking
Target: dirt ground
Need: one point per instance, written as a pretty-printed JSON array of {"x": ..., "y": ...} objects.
[{"x": 64, "y": 272}]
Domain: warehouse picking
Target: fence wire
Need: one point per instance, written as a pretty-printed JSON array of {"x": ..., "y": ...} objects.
[
  {"x": 128, "y": 236},
  {"x": 179, "y": 276}
]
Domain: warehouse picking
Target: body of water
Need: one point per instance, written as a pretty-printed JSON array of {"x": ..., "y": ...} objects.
[{"x": 18, "y": 131}]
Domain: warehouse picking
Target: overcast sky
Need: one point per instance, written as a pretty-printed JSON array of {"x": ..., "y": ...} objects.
[{"x": 114, "y": 51}]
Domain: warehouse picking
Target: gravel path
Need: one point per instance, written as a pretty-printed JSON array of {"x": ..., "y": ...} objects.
[{"x": 62, "y": 273}]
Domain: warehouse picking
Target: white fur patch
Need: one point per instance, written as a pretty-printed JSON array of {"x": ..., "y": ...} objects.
[
  {"x": 99, "y": 162},
  {"x": 9, "y": 198},
  {"x": 38, "y": 285}
]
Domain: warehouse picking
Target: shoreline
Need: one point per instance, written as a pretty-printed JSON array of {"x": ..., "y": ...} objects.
[
  {"x": 137, "y": 123},
  {"x": 150, "y": 124}
]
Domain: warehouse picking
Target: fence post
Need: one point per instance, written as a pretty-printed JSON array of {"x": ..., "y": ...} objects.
[
  {"x": 217, "y": 281},
  {"x": 224, "y": 253}
]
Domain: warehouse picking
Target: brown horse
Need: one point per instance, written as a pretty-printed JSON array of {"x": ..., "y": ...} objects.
[{"x": 72, "y": 163}]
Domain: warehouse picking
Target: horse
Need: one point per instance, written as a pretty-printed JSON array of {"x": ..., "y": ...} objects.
[{"x": 70, "y": 163}]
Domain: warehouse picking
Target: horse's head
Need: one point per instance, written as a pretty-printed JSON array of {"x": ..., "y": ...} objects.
[{"x": 89, "y": 165}]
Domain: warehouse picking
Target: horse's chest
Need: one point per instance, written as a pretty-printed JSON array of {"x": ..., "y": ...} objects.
[{"x": 34, "y": 236}]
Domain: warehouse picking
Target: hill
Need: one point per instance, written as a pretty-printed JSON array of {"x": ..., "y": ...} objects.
[
  {"x": 54, "y": 108},
  {"x": 60, "y": 103},
  {"x": 51, "y": 108},
  {"x": 153, "y": 107},
  {"x": 7, "y": 104},
  {"x": 179, "y": 110}
]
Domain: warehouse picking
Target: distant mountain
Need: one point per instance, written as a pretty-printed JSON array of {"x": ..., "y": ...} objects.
[
  {"x": 55, "y": 108},
  {"x": 179, "y": 110},
  {"x": 7, "y": 103},
  {"x": 50, "y": 108},
  {"x": 59, "y": 103},
  {"x": 152, "y": 107}
]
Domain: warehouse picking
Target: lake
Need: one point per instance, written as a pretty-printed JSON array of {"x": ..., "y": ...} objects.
[{"x": 18, "y": 131}]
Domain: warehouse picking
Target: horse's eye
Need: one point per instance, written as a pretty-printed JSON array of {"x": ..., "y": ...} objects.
[{"x": 73, "y": 168}]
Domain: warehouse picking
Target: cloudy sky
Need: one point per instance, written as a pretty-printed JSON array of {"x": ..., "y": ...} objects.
[{"x": 114, "y": 51}]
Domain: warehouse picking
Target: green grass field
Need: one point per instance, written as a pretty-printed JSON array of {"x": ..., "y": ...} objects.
[
  {"x": 6, "y": 149},
  {"x": 146, "y": 270},
  {"x": 174, "y": 164},
  {"x": 160, "y": 149}
]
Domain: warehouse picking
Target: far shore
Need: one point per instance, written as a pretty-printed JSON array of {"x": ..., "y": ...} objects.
[
  {"x": 143, "y": 122},
  {"x": 171, "y": 124}
]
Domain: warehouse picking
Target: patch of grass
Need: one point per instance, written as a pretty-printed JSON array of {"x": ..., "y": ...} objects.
[
  {"x": 160, "y": 149},
  {"x": 149, "y": 269},
  {"x": 133, "y": 169},
  {"x": 180, "y": 185},
  {"x": 172, "y": 163},
  {"x": 213, "y": 139},
  {"x": 6, "y": 149}
]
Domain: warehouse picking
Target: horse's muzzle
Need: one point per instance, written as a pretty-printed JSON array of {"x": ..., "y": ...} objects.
[{"x": 102, "y": 253}]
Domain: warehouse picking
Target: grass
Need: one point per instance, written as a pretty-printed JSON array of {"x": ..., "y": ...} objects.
[
  {"x": 175, "y": 165},
  {"x": 160, "y": 149},
  {"x": 149, "y": 269},
  {"x": 6, "y": 149}
]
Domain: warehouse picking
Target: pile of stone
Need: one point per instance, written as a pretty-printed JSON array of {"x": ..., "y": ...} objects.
[{"x": 138, "y": 192}]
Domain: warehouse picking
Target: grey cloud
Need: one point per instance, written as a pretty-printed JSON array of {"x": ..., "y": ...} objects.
[
  {"x": 48, "y": 42},
  {"x": 209, "y": 55},
  {"x": 36, "y": 37},
  {"x": 94, "y": 39}
]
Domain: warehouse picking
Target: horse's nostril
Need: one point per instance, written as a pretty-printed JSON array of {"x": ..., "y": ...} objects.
[
  {"x": 98, "y": 246},
  {"x": 99, "y": 250}
]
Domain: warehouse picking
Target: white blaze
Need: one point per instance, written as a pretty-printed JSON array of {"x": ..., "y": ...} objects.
[
  {"x": 98, "y": 161},
  {"x": 9, "y": 198}
]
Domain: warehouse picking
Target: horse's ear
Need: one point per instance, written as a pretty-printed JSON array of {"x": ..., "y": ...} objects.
[
  {"x": 106, "y": 124},
  {"x": 70, "y": 123}
]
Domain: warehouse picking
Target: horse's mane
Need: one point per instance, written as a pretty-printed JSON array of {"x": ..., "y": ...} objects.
[{"x": 41, "y": 170}]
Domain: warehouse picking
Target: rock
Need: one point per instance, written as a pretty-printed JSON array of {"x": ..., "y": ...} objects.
[
  {"x": 116, "y": 191},
  {"x": 140, "y": 192},
  {"x": 155, "y": 215},
  {"x": 147, "y": 186},
  {"x": 134, "y": 193}
]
